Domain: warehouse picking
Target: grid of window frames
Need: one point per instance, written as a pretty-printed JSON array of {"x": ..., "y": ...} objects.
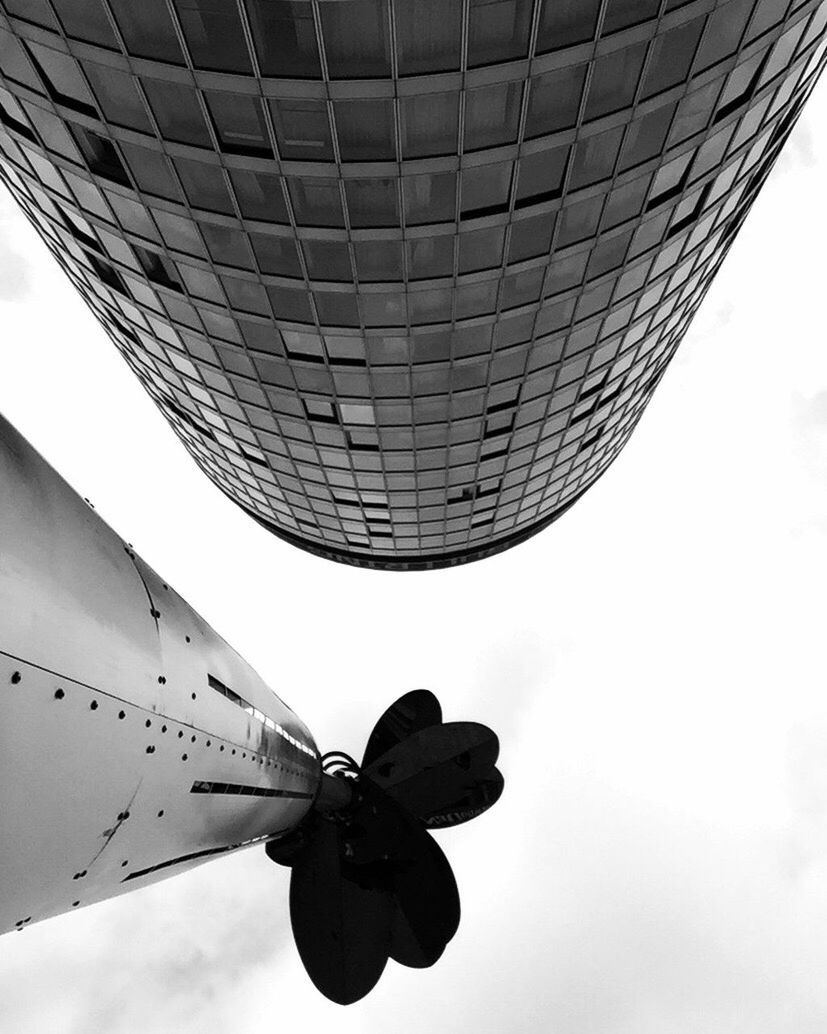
[{"x": 402, "y": 274}]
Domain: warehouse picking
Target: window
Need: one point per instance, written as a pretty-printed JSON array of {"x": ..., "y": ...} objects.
[
  {"x": 594, "y": 158},
  {"x": 320, "y": 410},
  {"x": 276, "y": 255},
  {"x": 365, "y": 129},
  {"x": 429, "y": 123},
  {"x": 100, "y": 155},
  {"x": 614, "y": 81},
  {"x": 157, "y": 268},
  {"x": 579, "y": 221},
  {"x": 118, "y": 97},
  {"x": 177, "y": 112},
  {"x": 498, "y": 30},
  {"x": 302, "y": 129},
  {"x": 646, "y": 137},
  {"x": 62, "y": 79},
  {"x": 204, "y": 185},
  {"x": 541, "y": 176},
  {"x": 620, "y": 14},
  {"x": 285, "y": 38},
  {"x": 378, "y": 260},
  {"x": 723, "y": 33},
  {"x": 227, "y": 246},
  {"x": 214, "y": 35},
  {"x": 356, "y": 38},
  {"x": 566, "y": 22},
  {"x": 239, "y": 124},
  {"x": 428, "y": 35},
  {"x": 86, "y": 20},
  {"x": 481, "y": 249},
  {"x": 106, "y": 273},
  {"x": 147, "y": 29},
  {"x": 431, "y": 257},
  {"x": 316, "y": 201},
  {"x": 151, "y": 171},
  {"x": 554, "y": 101},
  {"x": 259, "y": 195},
  {"x": 429, "y": 198},
  {"x": 492, "y": 115},
  {"x": 327, "y": 260},
  {"x": 530, "y": 237},
  {"x": 485, "y": 189},
  {"x": 671, "y": 57},
  {"x": 353, "y": 413}
]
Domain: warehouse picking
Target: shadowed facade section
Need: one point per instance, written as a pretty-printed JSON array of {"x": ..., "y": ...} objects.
[{"x": 402, "y": 274}]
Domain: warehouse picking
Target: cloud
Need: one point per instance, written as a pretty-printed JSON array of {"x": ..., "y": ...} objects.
[{"x": 15, "y": 269}]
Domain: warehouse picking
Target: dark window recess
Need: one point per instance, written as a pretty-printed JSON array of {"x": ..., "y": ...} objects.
[
  {"x": 690, "y": 217},
  {"x": 672, "y": 192},
  {"x": 498, "y": 425},
  {"x": 593, "y": 390},
  {"x": 480, "y": 519},
  {"x": 178, "y": 861},
  {"x": 64, "y": 72},
  {"x": 202, "y": 786},
  {"x": 320, "y": 411},
  {"x": 304, "y": 357},
  {"x": 492, "y": 451},
  {"x": 188, "y": 418},
  {"x": 80, "y": 236},
  {"x": 591, "y": 438},
  {"x": 307, "y": 524},
  {"x": 473, "y": 492},
  {"x": 360, "y": 441},
  {"x": 251, "y": 456},
  {"x": 728, "y": 107},
  {"x": 158, "y": 268},
  {"x": 108, "y": 274},
  {"x": 18, "y": 127},
  {"x": 612, "y": 395},
  {"x": 225, "y": 691},
  {"x": 100, "y": 155},
  {"x": 379, "y": 533},
  {"x": 585, "y": 414}
]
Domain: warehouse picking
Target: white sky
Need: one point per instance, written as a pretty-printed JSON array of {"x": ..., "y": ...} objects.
[{"x": 653, "y": 664}]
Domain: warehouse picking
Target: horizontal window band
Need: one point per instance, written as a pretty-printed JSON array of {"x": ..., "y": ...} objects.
[{"x": 201, "y": 786}]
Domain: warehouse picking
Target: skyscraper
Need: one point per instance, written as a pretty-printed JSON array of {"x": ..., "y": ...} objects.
[{"x": 402, "y": 274}]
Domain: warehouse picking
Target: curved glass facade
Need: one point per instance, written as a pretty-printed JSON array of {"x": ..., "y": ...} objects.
[{"x": 402, "y": 274}]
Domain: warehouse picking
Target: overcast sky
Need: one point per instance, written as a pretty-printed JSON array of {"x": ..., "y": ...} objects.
[{"x": 654, "y": 664}]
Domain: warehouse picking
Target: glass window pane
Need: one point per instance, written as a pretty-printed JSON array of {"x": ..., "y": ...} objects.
[
  {"x": 531, "y": 237},
  {"x": 327, "y": 260},
  {"x": 356, "y": 38},
  {"x": 481, "y": 249},
  {"x": 432, "y": 306},
  {"x": 204, "y": 185},
  {"x": 431, "y": 257},
  {"x": 498, "y": 30},
  {"x": 239, "y": 124},
  {"x": 566, "y": 22},
  {"x": 429, "y": 198},
  {"x": 429, "y": 124},
  {"x": 213, "y": 32},
  {"x": 227, "y": 247},
  {"x": 646, "y": 137},
  {"x": 118, "y": 97},
  {"x": 485, "y": 189},
  {"x": 285, "y": 38},
  {"x": 492, "y": 115},
  {"x": 620, "y": 14},
  {"x": 365, "y": 129},
  {"x": 289, "y": 304},
  {"x": 86, "y": 20},
  {"x": 259, "y": 195},
  {"x": 37, "y": 11},
  {"x": 316, "y": 202},
  {"x": 179, "y": 233},
  {"x": 671, "y": 58},
  {"x": 150, "y": 171},
  {"x": 378, "y": 260},
  {"x": 276, "y": 255},
  {"x": 147, "y": 29},
  {"x": 614, "y": 81},
  {"x": 723, "y": 33},
  {"x": 594, "y": 158},
  {"x": 62, "y": 78},
  {"x": 336, "y": 309},
  {"x": 302, "y": 129},
  {"x": 625, "y": 202},
  {"x": 578, "y": 221},
  {"x": 372, "y": 202},
  {"x": 177, "y": 112},
  {"x": 540, "y": 176},
  {"x": 554, "y": 101},
  {"x": 428, "y": 35}
]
